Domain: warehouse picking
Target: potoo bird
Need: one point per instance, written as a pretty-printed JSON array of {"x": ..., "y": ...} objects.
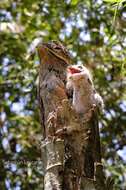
[
  {"x": 54, "y": 59},
  {"x": 85, "y": 96}
]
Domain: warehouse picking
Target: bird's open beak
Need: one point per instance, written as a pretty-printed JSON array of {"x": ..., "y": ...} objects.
[{"x": 73, "y": 70}]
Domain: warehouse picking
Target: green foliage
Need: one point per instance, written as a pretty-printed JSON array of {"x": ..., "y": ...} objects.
[
  {"x": 115, "y": 1},
  {"x": 116, "y": 4},
  {"x": 86, "y": 28}
]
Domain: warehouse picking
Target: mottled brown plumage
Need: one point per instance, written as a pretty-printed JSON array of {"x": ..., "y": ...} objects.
[{"x": 53, "y": 57}]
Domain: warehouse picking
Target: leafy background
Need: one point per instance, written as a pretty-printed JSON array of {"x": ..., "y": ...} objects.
[{"x": 87, "y": 29}]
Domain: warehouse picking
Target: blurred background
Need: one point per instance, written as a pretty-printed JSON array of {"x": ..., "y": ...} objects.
[{"x": 95, "y": 34}]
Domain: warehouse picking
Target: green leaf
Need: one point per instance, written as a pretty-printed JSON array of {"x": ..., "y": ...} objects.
[
  {"x": 114, "y": 1},
  {"x": 74, "y": 2}
]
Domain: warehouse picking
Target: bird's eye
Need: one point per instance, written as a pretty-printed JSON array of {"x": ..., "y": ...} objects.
[
  {"x": 57, "y": 48},
  {"x": 80, "y": 67}
]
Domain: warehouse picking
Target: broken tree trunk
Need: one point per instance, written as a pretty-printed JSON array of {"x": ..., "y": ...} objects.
[{"x": 71, "y": 144}]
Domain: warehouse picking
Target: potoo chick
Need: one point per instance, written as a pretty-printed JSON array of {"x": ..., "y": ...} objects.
[{"x": 85, "y": 96}]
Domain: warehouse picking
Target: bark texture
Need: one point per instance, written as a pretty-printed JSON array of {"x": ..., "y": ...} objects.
[{"x": 71, "y": 143}]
